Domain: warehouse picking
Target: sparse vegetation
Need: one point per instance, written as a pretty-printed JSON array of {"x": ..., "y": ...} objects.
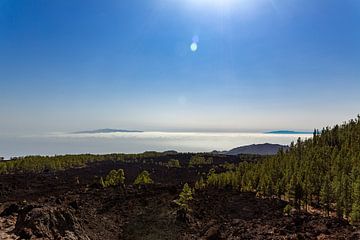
[
  {"x": 199, "y": 160},
  {"x": 55, "y": 163}
]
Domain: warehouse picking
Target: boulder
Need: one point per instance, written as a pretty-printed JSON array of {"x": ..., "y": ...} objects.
[
  {"x": 212, "y": 233},
  {"x": 49, "y": 223}
]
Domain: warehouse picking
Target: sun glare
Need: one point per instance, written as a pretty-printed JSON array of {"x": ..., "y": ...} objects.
[
  {"x": 215, "y": 4},
  {"x": 218, "y": 7}
]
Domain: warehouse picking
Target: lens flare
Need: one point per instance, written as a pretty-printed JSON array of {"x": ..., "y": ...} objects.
[{"x": 194, "y": 47}]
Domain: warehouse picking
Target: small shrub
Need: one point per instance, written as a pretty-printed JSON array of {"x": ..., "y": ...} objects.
[
  {"x": 143, "y": 179},
  {"x": 229, "y": 166},
  {"x": 200, "y": 184},
  {"x": 287, "y": 209},
  {"x": 212, "y": 177},
  {"x": 114, "y": 178},
  {"x": 173, "y": 163},
  {"x": 102, "y": 182},
  {"x": 198, "y": 160}
]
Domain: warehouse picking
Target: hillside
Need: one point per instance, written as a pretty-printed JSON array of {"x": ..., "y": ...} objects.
[
  {"x": 72, "y": 204},
  {"x": 320, "y": 172},
  {"x": 260, "y": 149},
  {"x": 288, "y": 132}
]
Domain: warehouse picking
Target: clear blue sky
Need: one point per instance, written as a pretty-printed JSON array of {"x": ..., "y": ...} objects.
[{"x": 260, "y": 64}]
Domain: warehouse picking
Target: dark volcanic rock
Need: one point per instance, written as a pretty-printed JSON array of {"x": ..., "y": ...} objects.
[
  {"x": 74, "y": 205},
  {"x": 213, "y": 233},
  {"x": 64, "y": 210},
  {"x": 48, "y": 223},
  {"x": 182, "y": 216},
  {"x": 13, "y": 208}
]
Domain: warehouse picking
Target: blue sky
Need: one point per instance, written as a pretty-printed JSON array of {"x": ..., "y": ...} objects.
[{"x": 260, "y": 64}]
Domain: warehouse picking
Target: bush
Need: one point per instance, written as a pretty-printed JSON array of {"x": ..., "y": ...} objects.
[
  {"x": 200, "y": 160},
  {"x": 200, "y": 184},
  {"x": 114, "y": 178},
  {"x": 228, "y": 166},
  {"x": 287, "y": 209},
  {"x": 143, "y": 179},
  {"x": 184, "y": 197},
  {"x": 173, "y": 163}
]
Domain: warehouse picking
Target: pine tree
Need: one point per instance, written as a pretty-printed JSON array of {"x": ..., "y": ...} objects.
[
  {"x": 326, "y": 194},
  {"x": 143, "y": 179},
  {"x": 346, "y": 195},
  {"x": 200, "y": 184},
  {"x": 355, "y": 212},
  {"x": 114, "y": 178},
  {"x": 337, "y": 187},
  {"x": 184, "y": 197},
  {"x": 295, "y": 191}
]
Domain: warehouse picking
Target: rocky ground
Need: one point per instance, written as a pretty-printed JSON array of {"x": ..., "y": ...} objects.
[{"x": 72, "y": 205}]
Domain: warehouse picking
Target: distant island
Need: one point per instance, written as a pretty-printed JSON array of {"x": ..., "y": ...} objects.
[
  {"x": 107, "y": 130},
  {"x": 287, "y": 132}
]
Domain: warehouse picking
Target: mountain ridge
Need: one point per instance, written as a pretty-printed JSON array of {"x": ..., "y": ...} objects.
[
  {"x": 287, "y": 132},
  {"x": 259, "y": 149}
]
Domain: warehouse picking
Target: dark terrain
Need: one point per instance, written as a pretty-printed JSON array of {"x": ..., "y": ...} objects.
[{"x": 71, "y": 204}]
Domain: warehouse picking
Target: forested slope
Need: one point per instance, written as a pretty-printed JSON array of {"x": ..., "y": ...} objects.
[{"x": 323, "y": 171}]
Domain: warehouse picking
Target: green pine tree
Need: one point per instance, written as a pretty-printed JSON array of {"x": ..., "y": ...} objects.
[
  {"x": 355, "y": 212},
  {"x": 143, "y": 179},
  {"x": 326, "y": 194},
  {"x": 184, "y": 197}
]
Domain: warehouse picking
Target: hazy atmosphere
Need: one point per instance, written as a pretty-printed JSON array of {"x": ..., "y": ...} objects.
[{"x": 135, "y": 142}]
